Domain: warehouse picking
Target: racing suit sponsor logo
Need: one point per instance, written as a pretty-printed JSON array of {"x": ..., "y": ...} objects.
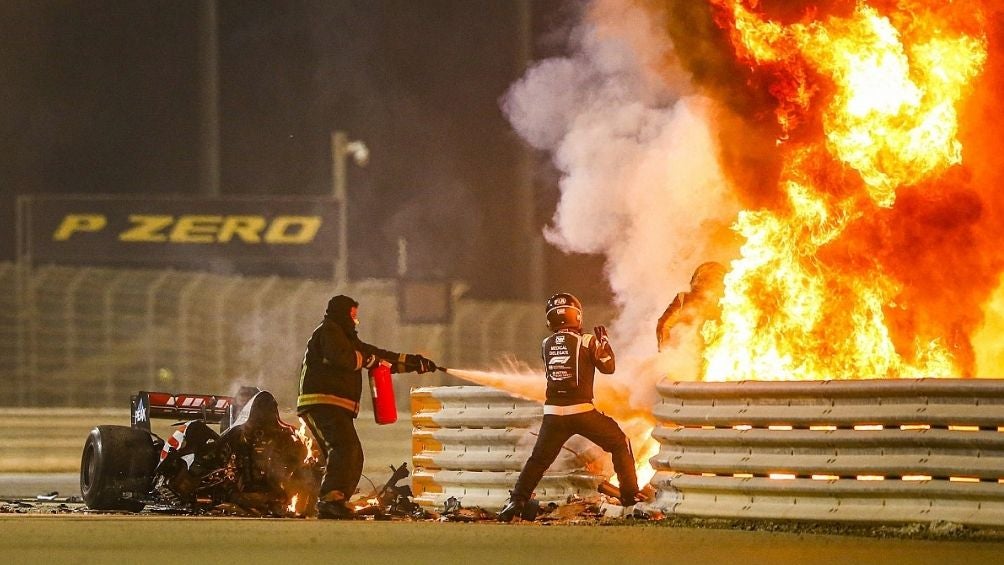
[{"x": 561, "y": 368}]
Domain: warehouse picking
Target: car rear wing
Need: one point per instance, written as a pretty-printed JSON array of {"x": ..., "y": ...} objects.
[{"x": 210, "y": 408}]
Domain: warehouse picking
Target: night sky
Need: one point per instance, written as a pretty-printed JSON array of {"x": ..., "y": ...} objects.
[{"x": 103, "y": 97}]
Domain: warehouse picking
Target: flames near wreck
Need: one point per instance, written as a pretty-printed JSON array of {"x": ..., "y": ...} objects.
[
  {"x": 854, "y": 265},
  {"x": 837, "y": 274}
]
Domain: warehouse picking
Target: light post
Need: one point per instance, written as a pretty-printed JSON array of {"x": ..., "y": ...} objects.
[
  {"x": 209, "y": 99},
  {"x": 525, "y": 197},
  {"x": 342, "y": 147}
]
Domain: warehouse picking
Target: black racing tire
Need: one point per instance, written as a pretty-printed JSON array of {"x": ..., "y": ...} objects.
[{"x": 116, "y": 468}]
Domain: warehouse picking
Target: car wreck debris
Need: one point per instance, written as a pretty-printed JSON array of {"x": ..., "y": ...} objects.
[{"x": 255, "y": 466}]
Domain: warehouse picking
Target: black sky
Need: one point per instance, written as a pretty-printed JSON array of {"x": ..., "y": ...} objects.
[{"x": 103, "y": 97}]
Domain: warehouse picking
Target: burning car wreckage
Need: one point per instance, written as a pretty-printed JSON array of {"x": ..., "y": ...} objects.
[{"x": 256, "y": 465}]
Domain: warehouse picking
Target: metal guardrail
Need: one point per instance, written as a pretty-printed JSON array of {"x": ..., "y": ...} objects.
[
  {"x": 470, "y": 443},
  {"x": 866, "y": 451}
]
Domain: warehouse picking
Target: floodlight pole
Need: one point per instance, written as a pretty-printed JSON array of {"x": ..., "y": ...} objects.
[
  {"x": 529, "y": 230},
  {"x": 341, "y": 149},
  {"x": 209, "y": 98}
]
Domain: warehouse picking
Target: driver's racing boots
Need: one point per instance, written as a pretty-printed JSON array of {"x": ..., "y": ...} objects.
[
  {"x": 628, "y": 499},
  {"x": 332, "y": 507},
  {"x": 525, "y": 509},
  {"x": 512, "y": 507},
  {"x": 334, "y": 511}
]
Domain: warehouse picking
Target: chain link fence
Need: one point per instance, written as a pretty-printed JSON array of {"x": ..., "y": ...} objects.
[{"x": 79, "y": 336}]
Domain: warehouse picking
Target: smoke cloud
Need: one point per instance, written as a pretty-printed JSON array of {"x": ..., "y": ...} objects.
[
  {"x": 661, "y": 136},
  {"x": 640, "y": 179}
]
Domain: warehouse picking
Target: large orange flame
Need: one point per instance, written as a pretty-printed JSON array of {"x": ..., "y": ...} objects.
[{"x": 867, "y": 107}]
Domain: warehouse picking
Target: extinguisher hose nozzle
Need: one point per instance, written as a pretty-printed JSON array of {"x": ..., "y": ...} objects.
[{"x": 443, "y": 369}]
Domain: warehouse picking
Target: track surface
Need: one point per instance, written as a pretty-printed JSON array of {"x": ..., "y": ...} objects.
[
  {"x": 40, "y": 453},
  {"x": 147, "y": 539}
]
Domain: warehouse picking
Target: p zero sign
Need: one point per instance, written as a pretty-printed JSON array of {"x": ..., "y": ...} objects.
[{"x": 177, "y": 231}]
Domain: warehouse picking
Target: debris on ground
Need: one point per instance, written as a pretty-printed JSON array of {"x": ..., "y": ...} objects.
[
  {"x": 473, "y": 514},
  {"x": 15, "y": 507},
  {"x": 576, "y": 510},
  {"x": 395, "y": 502},
  {"x": 50, "y": 503}
]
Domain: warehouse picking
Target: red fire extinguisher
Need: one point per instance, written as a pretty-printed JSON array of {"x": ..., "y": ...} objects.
[{"x": 382, "y": 389}]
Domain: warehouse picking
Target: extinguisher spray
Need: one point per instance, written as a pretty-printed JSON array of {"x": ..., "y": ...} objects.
[{"x": 382, "y": 390}]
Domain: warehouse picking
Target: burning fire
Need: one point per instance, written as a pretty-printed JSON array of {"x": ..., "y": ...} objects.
[
  {"x": 851, "y": 215},
  {"x": 867, "y": 109},
  {"x": 303, "y": 436},
  {"x": 639, "y": 431}
]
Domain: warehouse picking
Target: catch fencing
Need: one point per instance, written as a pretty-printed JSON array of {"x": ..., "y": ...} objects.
[
  {"x": 879, "y": 451},
  {"x": 470, "y": 443},
  {"x": 79, "y": 336}
]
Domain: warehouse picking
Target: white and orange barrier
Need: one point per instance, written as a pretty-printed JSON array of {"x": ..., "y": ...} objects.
[
  {"x": 883, "y": 451},
  {"x": 470, "y": 442}
]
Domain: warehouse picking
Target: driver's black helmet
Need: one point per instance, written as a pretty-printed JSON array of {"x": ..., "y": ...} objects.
[{"x": 564, "y": 311}]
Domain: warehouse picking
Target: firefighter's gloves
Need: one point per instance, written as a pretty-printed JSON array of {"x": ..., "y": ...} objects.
[
  {"x": 601, "y": 335},
  {"x": 371, "y": 362},
  {"x": 418, "y": 364},
  {"x": 426, "y": 365}
]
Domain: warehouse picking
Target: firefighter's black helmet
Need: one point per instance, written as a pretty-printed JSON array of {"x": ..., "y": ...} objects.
[{"x": 564, "y": 311}]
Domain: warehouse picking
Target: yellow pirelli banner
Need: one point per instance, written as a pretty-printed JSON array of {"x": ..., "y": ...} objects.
[{"x": 176, "y": 230}]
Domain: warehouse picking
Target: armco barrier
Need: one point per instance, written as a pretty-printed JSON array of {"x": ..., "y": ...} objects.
[
  {"x": 889, "y": 451},
  {"x": 470, "y": 442}
]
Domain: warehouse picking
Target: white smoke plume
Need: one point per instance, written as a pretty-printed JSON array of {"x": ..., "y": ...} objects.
[{"x": 640, "y": 181}]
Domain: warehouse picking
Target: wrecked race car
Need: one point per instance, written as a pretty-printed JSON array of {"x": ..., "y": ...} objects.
[{"x": 256, "y": 465}]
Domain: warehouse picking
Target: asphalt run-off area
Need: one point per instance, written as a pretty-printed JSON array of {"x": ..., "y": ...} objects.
[{"x": 38, "y": 459}]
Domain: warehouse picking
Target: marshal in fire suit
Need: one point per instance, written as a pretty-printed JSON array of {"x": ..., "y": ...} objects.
[
  {"x": 330, "y": 389},
  {"x": 694, "y": 307},
  {"x": 571, "y": 358}
]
